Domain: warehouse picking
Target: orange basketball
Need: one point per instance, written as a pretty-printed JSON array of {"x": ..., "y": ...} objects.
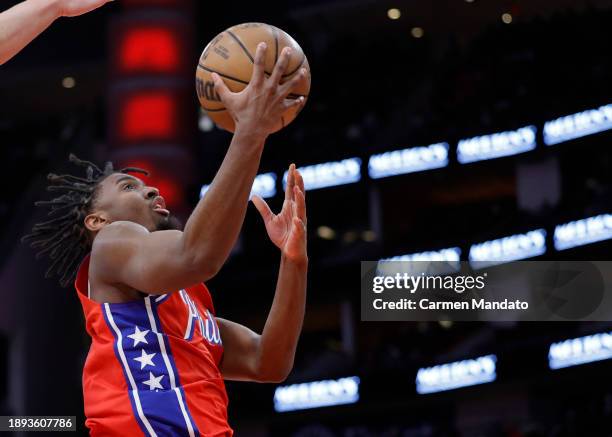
[{"x": 231, "y": 55}]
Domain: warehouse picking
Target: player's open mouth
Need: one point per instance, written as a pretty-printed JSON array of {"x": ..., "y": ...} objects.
[
  {"x": 159, "y": 206},
  {"x": 162, "y": 211}
]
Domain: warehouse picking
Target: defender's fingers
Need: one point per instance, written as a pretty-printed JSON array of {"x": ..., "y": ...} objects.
[
  {"x": 299, "y": 181},
  {"x": 299, "y": 226},
  {"x": 257, "y": 77},
  {"x": 290, "y": 183},
  {"x": 281, "y": 65},
  {"x": 300, "y": 204},
  {"x": 263, "y": 208}
]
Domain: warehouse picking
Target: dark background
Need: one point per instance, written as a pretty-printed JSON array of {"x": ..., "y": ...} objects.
[{"x": 375, "y": 88}]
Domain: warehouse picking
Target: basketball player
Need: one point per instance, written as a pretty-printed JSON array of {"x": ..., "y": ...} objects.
[
  {"x": 159, "y": 354},
  {"x": 25, "y": 21}
]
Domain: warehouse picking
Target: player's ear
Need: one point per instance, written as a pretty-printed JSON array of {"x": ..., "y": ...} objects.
[{"x": 96, "y": 221}]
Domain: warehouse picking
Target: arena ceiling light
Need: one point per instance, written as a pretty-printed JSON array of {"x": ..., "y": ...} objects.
[{"x": 394, "y": 14}]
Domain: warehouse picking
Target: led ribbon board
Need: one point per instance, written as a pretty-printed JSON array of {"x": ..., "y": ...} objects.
[
  {"x": 496, "y": 145},
  {"x": 388, "y": 266},
  {"x": 450, "y": 254},
  {"x": 330, "y": 174},
  {"x": 578, "y": 125},
  {"x": 264, "y": 186},
  {"x": 585, "y": 231},
  {"x": 408, "y": 160},
  {"x": 456, "y": 375},
  {"x": 512, "y": 248},
  {"x": 316, "y": 394},
  {"x": 580, "y": 350}
]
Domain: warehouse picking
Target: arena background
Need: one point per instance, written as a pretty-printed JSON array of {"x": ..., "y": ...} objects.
[{"x": 441, "y": 72}]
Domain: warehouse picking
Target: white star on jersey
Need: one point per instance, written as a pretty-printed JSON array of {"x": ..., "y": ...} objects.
[
  {"x": 145, "y": 359},
  {"x": 139, "y": 336},
  {"x": 154, "y": 382}
]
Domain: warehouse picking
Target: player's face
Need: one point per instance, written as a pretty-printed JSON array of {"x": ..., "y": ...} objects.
[{"x": 125, "y": 197}]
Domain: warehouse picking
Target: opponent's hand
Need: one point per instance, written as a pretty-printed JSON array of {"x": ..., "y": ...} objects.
[
  {"x": 287, "y": 230},
  {"x": 258, "y": 108},
  {"x": 72, "y": 8}
]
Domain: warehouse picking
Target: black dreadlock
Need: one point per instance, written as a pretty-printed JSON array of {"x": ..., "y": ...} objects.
[{"x": 65, "y": 238}]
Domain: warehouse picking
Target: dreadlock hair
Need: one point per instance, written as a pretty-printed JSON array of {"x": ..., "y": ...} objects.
[{"x": 65, "y": 238}]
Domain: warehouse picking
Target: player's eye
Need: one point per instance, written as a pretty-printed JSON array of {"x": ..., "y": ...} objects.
[{"x": 129, "y": 186}]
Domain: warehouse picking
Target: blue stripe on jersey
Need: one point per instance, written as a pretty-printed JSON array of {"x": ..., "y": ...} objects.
[
  {"x": 178, "y": 386},
  {"x": 133, "y": 401},
  {"x": 149, "y": 368}
]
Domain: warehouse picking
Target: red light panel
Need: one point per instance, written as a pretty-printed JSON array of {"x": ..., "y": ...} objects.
[
  {"x": 148, "y": 116},
  {"x": 149, "y": 49}
]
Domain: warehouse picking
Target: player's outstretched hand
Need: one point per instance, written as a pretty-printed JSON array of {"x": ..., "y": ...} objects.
[
  {"x": 72, "y": 8},
  {"x": 287, "y": 229},
  {"x": 257, "y": 109}
]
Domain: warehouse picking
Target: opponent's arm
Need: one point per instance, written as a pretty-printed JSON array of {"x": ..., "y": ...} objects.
[
  {"x": 269, "y": 357},
  {"x": 23, "y": 22},
  {"x": 152, "y": 262}
]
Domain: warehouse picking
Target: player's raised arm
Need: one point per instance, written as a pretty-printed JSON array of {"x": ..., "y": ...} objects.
[
  {"x": 23, "y": 22},
  {"x": 212, "y": 230},
  {"x": 269, "y": 357},
  {"x": 155, "y": 262}
]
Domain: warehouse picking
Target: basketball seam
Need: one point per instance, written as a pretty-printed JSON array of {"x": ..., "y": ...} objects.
[
  {"x": 296, "y": 68},
  {"x": 210, "y": 70},
  {"x": 246, "y": 51},
  {"x": 275, "y": 32},
  {"x": 213, "y": 110}
]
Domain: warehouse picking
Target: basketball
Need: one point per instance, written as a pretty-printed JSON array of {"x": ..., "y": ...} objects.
[{"x": 231, "y": 55}]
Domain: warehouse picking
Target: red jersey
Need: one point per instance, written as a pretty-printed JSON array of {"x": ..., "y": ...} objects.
[{"x": 153, "y": 365}]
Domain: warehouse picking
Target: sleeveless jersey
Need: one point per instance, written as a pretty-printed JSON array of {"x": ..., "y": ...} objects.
[{"x": 153, "y": 365}]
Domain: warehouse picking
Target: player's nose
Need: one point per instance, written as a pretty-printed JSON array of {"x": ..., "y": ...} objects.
[{"x": 151, "y": 192}]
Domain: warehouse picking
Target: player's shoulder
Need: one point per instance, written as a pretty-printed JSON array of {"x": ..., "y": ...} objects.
[
  {"x": 119, "y": 230},
  {"x": 116, "y": 235}
]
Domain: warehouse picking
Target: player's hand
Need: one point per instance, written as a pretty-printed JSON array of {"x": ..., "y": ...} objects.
[
  {"x": 258, "y": 108},
  {"x": 287, "y": 229},
  {"x": 72, "y": 8}
]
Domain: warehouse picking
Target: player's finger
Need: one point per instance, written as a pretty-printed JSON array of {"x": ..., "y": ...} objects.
[
  {"x": 281, "y": 66},
  {"x": 287, "y": 87},
  {"x": 220, "y": 87},
  {"x": 300, "y": 204},
  {"x": 290, "y": 103},
  {"x": 263, "y": 208},
  {"x": 299, "y": 226},
  {"x": 259, "y": 65},
  {"x": 290, "y": 183},
  {"x": 299, "y": 181}
]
